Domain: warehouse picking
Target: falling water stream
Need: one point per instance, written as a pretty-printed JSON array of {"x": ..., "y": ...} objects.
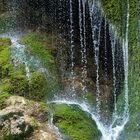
[
  {"x": 20, "y": 54},
  {"x": 82, "y": 22},
  {"x": 72, "y": 46},
  {"x": 105, "y": 27},
  {"x": 113, "y": 43},
  {"x": 95, "y": 23},
  {"x": 125, "y": 50},
  {"x": 112, "y": 130}
]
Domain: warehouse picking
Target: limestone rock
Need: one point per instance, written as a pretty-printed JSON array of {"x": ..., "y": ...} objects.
[{"x": 24, "y": 119}]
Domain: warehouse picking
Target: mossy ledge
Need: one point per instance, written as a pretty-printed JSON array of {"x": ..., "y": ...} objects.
[{"x": 74, "y": 123}]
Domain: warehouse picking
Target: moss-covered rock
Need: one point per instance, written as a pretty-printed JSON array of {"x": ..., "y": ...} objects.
[
  {"x": 74, "y": 123},
  {"x": 24, "y": 119},
  {"x": 38, "y": 86},
  {"x": 39, "y": 45},
  {"x": 19, "y": 84},
  {"x": 34, "y": 88}
]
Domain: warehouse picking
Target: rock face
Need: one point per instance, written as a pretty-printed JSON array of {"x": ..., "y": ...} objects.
[
  {"x": 24, "y": 119},
  {"x": 14, "y": 126}
]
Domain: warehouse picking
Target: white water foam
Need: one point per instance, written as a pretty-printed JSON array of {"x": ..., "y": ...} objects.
[{"x": 110, "y": 132}]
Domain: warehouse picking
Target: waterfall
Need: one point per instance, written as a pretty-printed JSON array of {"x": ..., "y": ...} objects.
[
  {"x": 105, "y": 57},
  {"x": 83, "y": 41},
  {"x": 21, "y": 55},
  {"x": 108, "y": 132},
  {"x": 113, "y": 37},
  {"x": 125, "y": 55},
  {"x": 111, "y": 130},
  {"x": 95, "y": 25},
  {"x": 72, "y": 46},
  {"x": 105, "y": 47}
]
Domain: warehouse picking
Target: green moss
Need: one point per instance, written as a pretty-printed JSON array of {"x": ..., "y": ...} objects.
[
  {"x": 74, "y": 123},
  {"x": 34, "y": 123},
  {"x": 37, "y": 44},
  {"x": 44, "y": 107},
  {"x": 115, "y": 11},
  {"x": 134, "y": 98},
  {"x": 3, "y": 97},
  {"x": 40, "y": 45},
  {"x": 5, "y": 53},
  {"x": 4, "y": 42},
  {"x": 14, "y": 79},
  {"x": 34, "y": 88},
  {"x": 5, "y": 86},
  {"x": 4, "y": 66},
  {"x": 4, "y": 56},
  {"x": 37, "y": 86},
  {"x": 19, "y": 84}
]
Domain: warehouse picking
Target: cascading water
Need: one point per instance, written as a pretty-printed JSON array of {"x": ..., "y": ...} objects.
[
  {"x": 95, "y": 25},
  {"x": 105, "y": 57},
  {"x": 109, "y": 131},
  {"x": 125, "y": 55},
  {"x": 113, "y": 43},
  {"x": 112, "y": 130},
  {"x": 21, "y": 55},
  {"x": 83, "y": 41},
  {"x": 72, "y": 46},
  {"x": 105, "y": 27}
]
